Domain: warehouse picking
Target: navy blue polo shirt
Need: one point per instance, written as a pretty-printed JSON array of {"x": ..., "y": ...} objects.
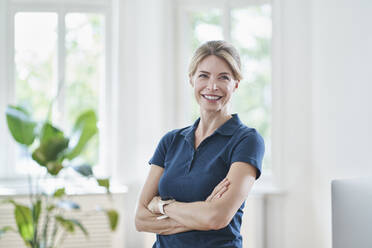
[{"x": 191, "y": 174}]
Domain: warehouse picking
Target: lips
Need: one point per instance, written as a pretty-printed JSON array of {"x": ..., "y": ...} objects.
[{"x": 211, "y": 97}]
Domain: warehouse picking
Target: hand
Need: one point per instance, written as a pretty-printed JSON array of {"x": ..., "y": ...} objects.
[
  {"x": 153, "y": 205},
  {"x": 219, "y": 190}
]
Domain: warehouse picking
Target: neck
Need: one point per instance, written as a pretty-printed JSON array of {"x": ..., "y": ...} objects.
[{"x": 210, "y": 121}]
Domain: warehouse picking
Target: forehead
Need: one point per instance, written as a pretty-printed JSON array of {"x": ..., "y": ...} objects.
[{"x": 214, "y": 64}]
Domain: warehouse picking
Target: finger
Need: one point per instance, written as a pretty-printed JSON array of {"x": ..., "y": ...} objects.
[
  {"x": 225, "y": 183},
  {"x": 220, "y": 193},
  {"x": 215, "y": 190},
  {"x": 218, "y": 188},
  {"x": 220, "y": 185},
  {"x": 152, "y": 206}
]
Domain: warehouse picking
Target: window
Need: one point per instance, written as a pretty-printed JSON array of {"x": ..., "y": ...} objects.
[
  {"x": 59, "y": 46},
  {"x": 249, "y": 28}
]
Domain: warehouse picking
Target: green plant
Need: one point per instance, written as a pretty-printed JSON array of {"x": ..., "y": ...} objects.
[{"x": 43, "y": 224}]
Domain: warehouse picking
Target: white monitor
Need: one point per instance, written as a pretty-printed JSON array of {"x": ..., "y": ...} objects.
[{"x": 352, "y": 213}]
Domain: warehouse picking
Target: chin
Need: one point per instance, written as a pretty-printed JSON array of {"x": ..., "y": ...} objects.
[{"x": 209, "y": 109}]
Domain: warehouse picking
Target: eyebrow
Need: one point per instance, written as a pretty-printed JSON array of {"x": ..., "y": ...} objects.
[{"x": 222, "y": 73}]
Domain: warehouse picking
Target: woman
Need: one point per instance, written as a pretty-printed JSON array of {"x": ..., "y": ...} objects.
[{"x": 201, "y": 175}]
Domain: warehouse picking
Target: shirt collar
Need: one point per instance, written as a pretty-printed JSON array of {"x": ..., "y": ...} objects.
[
  {"x": 228, "y": 128},
  {"x": 188, "y": 132}
]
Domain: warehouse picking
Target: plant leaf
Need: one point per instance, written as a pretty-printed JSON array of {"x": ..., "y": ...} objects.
[
  {"x": 113, "y": 217},
  {"x": 85, "y": 170},
  {"x": 52, "y": 145},
  {"x": 20, "y": 125},
  {"x": 84, "y": 129},
  {"x": 66, "y": 224},
  {"x": 69, "y": 224},
  {"x": 51, "y": 207},
  {"x": 50, "y": 150},
  {"x": 23, "y": 216},
  {"x": 80, "y": 225},
  {"x": 36, "y": 210},
  {"x": 105, "y": 182},
  {"x": 59, "y": 193},
  {"x": 68, "y": 205},
  {"x": 48, "y": 131},
  {"x": 54, "y": 167}
]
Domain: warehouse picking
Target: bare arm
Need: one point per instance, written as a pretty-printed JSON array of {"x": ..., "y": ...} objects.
[
  {"x": 213, "y": 215},
  {"x": 148, "y": 222},
  {"x": 145, "y": 220}
]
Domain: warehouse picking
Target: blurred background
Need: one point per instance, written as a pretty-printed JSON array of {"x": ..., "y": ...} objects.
[{"x": 306, "y": 89}]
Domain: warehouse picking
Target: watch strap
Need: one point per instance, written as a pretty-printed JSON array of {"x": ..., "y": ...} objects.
[{"x": 162, "y": 203}]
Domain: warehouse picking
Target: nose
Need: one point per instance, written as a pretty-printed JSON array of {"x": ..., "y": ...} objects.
[{"x": 212, "y": 84}]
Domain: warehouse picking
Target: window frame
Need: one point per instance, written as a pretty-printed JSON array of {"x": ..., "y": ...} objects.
[
  {"x": 61, "y": 8},
  {"x": 184, "y": 100}
]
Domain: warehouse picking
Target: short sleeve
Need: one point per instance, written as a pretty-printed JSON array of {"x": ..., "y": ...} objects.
[
  {"x": 250, "y": 149},
  {"x": 161, "y": 150}
]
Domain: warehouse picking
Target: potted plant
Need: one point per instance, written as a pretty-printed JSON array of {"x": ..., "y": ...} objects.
[{"x": 43, "y": 223}]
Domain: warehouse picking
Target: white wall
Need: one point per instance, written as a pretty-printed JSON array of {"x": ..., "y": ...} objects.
[
  {"x": 342, "y": 103},
  {"x": 290, "y": 216},
  {"x": 143, "y": 93},
  {"x": 144, "y": 82},
  {"x": 327, "y": 114}
]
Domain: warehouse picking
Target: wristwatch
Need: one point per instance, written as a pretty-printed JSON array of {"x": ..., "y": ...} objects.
[{"x": 163, "y": 202}]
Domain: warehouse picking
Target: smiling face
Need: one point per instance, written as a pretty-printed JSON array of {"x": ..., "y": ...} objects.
[{"x": 213, "y": 84}]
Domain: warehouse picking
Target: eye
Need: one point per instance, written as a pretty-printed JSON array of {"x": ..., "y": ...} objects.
[
  {"x": 225, "y": 78},
  {"x": 203, "y": 75}
]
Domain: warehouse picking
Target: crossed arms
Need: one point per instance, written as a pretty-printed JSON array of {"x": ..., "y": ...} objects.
[{"x": 214, "y": 213}]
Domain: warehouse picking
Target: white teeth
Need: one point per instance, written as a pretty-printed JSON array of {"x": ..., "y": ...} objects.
[{"x": 212, "y": 97}]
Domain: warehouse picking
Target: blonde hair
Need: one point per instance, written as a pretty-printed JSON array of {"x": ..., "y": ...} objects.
[{"x": 221, "y": 49}]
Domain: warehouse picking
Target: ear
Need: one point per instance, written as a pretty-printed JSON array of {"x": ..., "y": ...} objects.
[
  {"x": 236, "y": 84},
  {"x": 191, "y": 82}
]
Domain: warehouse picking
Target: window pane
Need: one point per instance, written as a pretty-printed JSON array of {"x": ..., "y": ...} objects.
[
  {"x": 251, "y": 34},
  {"x": 35, "y": 43},
  {"x": 35, "y": 60},
  {"x": 84, "y": 70},
  {"x": 206, "y": 25}
]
